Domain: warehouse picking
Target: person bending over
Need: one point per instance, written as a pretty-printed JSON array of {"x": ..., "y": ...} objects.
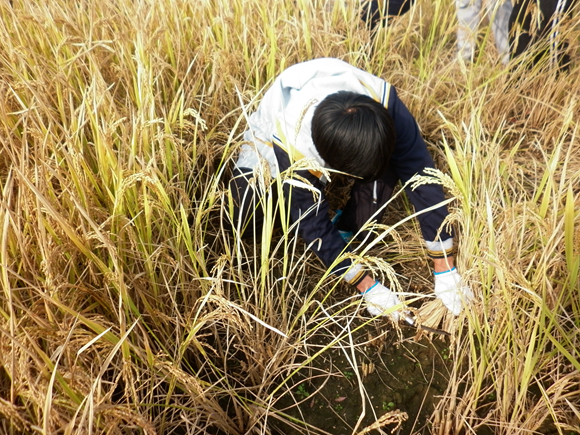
[{"x": 350, "y": 121}]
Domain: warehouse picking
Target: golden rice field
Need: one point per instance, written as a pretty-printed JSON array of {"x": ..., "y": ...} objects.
[{"x": 127, "y": 309}]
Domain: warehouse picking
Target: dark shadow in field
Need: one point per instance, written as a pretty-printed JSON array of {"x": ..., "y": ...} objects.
[{"x": 405, "y": 375}]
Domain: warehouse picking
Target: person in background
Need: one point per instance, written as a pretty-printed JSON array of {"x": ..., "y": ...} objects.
[
  {"x": 469, "y": 16},
  {"x": 351, "y": 121},
  {"x": 538, "y": 22},
  {"x": 376, "y": 12}
]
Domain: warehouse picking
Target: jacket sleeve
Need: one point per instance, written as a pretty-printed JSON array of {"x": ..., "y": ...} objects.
[
  {"x": 310, "y": 210},
  {"x": 412, "y": 157}
]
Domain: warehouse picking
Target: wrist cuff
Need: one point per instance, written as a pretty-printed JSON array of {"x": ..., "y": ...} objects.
[
  {"x": 442, "y": 249},
  {"x": 370, "y": 288},
  {"x": 445, "y": 271},
  {"x": 355, "y": 274}
]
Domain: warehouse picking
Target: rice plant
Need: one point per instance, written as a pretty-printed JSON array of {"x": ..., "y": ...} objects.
[{"x": 127, "y": 306}]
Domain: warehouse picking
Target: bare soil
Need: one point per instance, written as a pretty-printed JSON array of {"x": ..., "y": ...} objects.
[{"x": 405, "y": 375}]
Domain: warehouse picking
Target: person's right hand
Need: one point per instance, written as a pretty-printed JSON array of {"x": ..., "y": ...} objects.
[{"x": 379, "y": 299}]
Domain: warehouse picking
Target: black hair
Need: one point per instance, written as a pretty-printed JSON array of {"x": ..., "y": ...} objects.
[{"x": 354, "y": 134}]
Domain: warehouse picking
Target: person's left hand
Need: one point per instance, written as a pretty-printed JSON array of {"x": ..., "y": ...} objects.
[{"x": 450, "y": 288}]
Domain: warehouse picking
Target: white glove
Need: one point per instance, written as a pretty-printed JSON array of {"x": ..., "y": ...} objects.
[
  {"x": 379, "y": 298},
  {"x": 452, "y": 291}
]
